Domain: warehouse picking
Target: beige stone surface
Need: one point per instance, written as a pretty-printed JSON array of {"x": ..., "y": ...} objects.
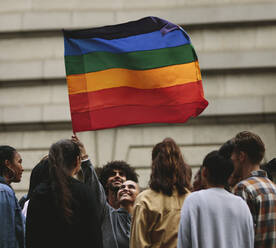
[
  {"x": 269, "y": 104},
  {"x": 144, "y": 176},
  {"x": 10, "y": 21},
  {"x": 92, "y": 18},
  {"x": 62, "y": 15},
  {"x": 46, "y": 20}
]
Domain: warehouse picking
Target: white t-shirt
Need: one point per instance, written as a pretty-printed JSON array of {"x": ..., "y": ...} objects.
[{"x": 24, "y": 210}]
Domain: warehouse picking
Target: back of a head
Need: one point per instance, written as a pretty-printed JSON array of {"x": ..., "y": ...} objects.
[
  {"x": 63, "y": 156},
  {"x": 218, "y": 168},
  {"x": 40, "y": 174},
  {"x": 251, "y": 144},
  {"x": 169, "y": 169},
  {"x": 108, "y": 168},
  {"x": 6, "y": 153},
  {"x": 227, "y": 148}
]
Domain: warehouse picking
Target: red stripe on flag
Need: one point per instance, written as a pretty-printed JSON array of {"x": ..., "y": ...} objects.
[
  {"x": 124, "y": 106},
  {"x": 121, "y": 96},
  {"x": 128, "y": 115}
]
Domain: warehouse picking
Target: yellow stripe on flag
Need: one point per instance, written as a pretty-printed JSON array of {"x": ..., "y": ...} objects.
[{"x": 144, "y": 79}]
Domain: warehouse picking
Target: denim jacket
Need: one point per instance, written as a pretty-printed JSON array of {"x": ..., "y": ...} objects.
[{"x": 12, "y": 222}]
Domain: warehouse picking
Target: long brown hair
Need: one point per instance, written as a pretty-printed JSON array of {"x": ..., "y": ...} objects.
[
  {"x": 169, "y": 169},
  {"x": 63, "y": 157}
]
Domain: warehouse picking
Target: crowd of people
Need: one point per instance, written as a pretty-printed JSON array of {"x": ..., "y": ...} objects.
[{"x": 70, "y": 203}]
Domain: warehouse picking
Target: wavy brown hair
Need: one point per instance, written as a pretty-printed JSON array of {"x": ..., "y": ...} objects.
[{"x": 169, "y": 170}]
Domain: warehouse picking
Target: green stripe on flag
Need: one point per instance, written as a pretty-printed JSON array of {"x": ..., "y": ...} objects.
[{"x": 141, "y": 60}]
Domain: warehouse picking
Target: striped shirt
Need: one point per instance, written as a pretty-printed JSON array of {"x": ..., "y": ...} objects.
[{"x": 260, "y": 194}]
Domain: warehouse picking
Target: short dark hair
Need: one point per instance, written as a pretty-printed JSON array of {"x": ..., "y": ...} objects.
[
  {"x": 219, "y": 168},
  {"x": 169, "y": 169},
  {"x": 108, "y": 168},
  {"x": 227, "y": 148},
  {"x": 251, "y": 144},
  {"x": 6, "y": 153}
]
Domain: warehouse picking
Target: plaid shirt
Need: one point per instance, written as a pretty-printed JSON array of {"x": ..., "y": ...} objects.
[{"x": 260, "y": 194}]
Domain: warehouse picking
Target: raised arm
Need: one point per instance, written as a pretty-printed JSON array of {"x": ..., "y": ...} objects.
[{"x": 90, "y": 178}]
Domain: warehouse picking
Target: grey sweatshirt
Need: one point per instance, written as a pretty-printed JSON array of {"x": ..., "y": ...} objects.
[
  {"x": 115, "y": 222},
  {"x": 215, "y": 218}
]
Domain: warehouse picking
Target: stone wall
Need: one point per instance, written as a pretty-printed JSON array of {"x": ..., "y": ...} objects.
[{"x": 235, "y": 41}]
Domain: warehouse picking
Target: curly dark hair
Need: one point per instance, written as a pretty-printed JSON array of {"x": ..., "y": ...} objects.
[
  {"x": 108, "y": 168},
  {"x": 169, "y": 169}
]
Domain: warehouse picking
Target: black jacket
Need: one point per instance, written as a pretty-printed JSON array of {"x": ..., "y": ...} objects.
[{"x": 45, "y": 226}]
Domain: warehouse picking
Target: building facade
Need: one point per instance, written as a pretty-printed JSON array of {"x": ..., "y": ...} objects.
[{"x": 236, "y": 45}]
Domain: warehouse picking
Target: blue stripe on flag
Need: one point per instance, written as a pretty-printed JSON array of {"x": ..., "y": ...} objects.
[{"x": 142, "y": 42}]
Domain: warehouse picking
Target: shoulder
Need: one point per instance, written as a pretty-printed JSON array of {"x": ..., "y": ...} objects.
[
  {"x": 147, "y": 197},
  {"x": 6, "y": 189},
  {"x": 193, "y": 202},
  {"x": 237, "y": 202},
  {"x": 147, "y": 193},
  {"x": 203, "y": 197},
  {"x": 80, "y": 190},
  {"x": 7, "y": 196},
  {"x": 253, "y": 184},
  {"x": 236, "y": 199},
  {"x": 79, "y": 186},
  {"x": 196, "y": 197},
  {"x": 248, "y": 185},
  {"x": 83, "y": 194}
]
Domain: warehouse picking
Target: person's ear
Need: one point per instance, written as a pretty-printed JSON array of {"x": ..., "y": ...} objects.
[
  {"x": 8, "y": 164},
  {"x": 242, "y": 156},
  {"x": 204, "y": 172}
]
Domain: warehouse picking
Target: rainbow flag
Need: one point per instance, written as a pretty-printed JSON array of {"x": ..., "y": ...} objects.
[{"x": 137, "y": 72}]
